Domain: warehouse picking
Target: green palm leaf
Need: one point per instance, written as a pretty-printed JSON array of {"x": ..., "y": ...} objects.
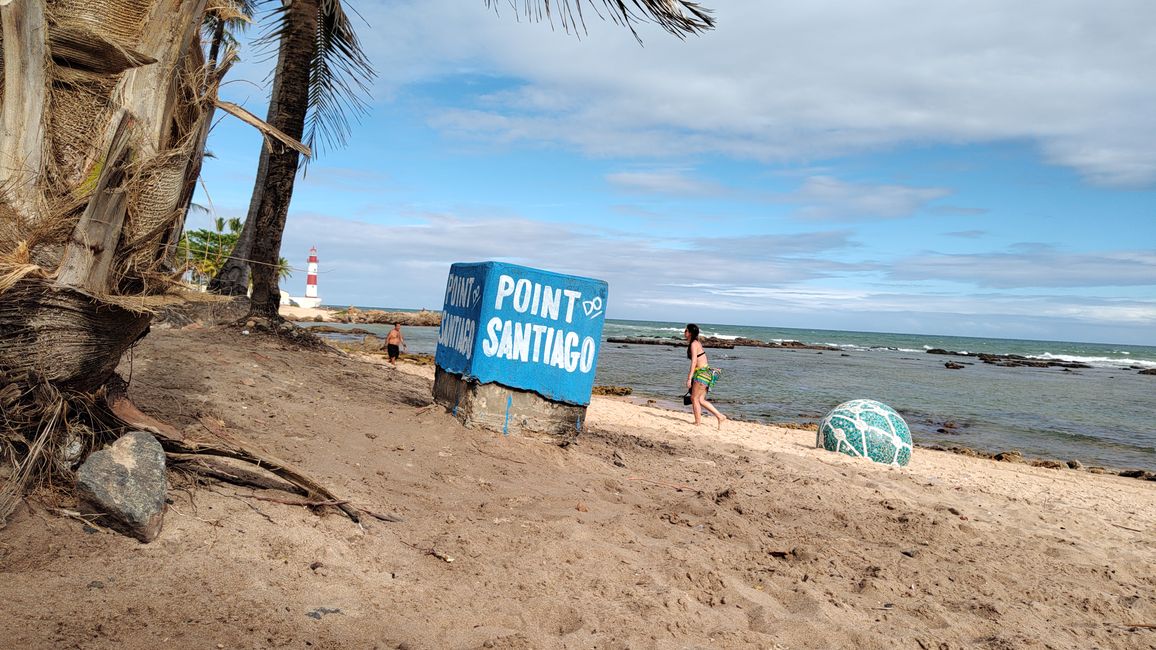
[
  {"x": 679, "y": 17},
  {"x": 339, "y": 73}
]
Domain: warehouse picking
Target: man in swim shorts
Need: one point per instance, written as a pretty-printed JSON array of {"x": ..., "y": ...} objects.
[{"x": 394, "y": 342}]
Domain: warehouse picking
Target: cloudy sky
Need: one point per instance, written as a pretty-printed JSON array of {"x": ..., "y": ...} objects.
[{"x": 979, "y": 168}]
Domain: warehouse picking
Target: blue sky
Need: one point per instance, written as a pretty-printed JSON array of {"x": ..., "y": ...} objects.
[{"x": 978, "y": 168}]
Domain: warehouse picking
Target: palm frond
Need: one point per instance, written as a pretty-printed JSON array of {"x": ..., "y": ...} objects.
[
  {"x": 339, "y": 77},
  {"x": 340, "y": 73},
  {"x": 679, "y": 17}
]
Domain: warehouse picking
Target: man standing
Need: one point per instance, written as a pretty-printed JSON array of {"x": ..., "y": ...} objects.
[{"x": 394, "y": 342}]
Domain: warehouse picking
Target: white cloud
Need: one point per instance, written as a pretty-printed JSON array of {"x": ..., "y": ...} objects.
[
  {"x": 1032, "y": 266},
  {"x": 674, "y": 181},
  {"x": 824, "y": 198},
  {"x": 803, "y": 81}
]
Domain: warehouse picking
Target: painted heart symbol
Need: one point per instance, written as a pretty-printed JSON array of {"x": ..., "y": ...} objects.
[{"x": 593, "y": 307}]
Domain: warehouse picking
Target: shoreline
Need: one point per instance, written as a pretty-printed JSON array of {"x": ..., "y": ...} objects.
[
  {"x": 645, "y": 532},
  {"x": 1003, "y": 456},
  {"x": 603, "y": 391},
  {"x": 1002, "y": 453}
]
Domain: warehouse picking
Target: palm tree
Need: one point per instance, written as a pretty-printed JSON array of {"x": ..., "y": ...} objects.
[
  {"x": 104, "y": 111},
  {"x": 321, "y": 75},
  {"x": 100, "y": 121}
]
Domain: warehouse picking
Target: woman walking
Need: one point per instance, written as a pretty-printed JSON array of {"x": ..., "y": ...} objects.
[{"x": 700, "y": 378}]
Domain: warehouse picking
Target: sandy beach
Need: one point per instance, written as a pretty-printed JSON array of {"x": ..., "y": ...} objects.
[
  {"x": 646, "y": 533},
  {"x": 300, "y": 314}
]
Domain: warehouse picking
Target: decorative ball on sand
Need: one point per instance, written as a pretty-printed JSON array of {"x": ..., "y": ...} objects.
[{"x": 866, "y": 429}]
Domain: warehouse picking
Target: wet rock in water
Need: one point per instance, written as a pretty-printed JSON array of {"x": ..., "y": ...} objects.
[
  {"x": 126, "y": 485},
  {"x": 1149, "y": 371},
  {"x": 951, "y": 365},
  {"x": 612, "y": 390},
  {"x": 1136, "y": 473},
  {"x": 950, "y": 352}
]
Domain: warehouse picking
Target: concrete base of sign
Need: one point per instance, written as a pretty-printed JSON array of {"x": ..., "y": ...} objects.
[{"x": 506, "y": 410}]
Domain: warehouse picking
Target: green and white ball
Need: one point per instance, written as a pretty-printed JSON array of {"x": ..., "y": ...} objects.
[{"x": 867, "y": 429}]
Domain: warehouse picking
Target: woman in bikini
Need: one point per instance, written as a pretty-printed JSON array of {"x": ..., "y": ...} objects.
[{"x": 700, "y": 378}]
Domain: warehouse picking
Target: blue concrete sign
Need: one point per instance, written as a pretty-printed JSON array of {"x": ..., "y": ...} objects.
[{"x": 523, "y": 328}]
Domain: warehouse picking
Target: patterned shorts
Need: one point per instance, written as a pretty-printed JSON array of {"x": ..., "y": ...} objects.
[{"x": 706, "y": 376}]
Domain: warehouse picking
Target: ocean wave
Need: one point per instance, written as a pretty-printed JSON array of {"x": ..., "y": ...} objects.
[
  {"x": 1099, "y": 362},
  {"x": 719, "y": 335}
]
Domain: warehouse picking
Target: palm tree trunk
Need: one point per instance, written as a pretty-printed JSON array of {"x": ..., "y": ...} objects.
[
  {"x": 286, "y": 112},
  {"x": 97, "y": 140}
]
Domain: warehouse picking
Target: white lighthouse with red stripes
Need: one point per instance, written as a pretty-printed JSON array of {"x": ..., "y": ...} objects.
[
  {"x": 311, "y": 278},
  {"x": 310, "y": 299}
]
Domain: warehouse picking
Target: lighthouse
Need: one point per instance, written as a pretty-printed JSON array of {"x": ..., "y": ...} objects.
[
  {"x": 310, "y": 299},
  {"x": 311, "y": 278}
]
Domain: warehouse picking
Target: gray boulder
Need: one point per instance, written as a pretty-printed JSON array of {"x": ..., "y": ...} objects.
[{"x": 126, "y": 485}]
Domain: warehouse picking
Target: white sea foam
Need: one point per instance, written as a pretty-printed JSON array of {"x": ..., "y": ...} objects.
[
  {"x": 1098, "y": 362},
  {"x": 719, "y": 335}
]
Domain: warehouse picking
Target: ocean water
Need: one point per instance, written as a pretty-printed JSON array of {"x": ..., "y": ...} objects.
[{"x": 1104, "y": 415}]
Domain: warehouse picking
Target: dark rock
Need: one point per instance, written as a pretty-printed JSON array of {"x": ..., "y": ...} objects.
[
  {"x": 1011, "y": 360},
  {"x": 707, "y": 342},
  {"x": 1019, "y": 361},
  {"x": 1010, "y": 457},
  {"x": 725, "y": 344},
  {"x": 951, "y": 365},
  {"x": 1149, "y": 371},
  {"x": 423, "y": 318},
  {"x": 618, "y": 391},
  {"x": 126, "y": 485},
  {"x": 1135, "y": 473},
  {"x": 950, "y": 352},
  {"x": 1075, "y": 464},
  {"x": 795, "y": 345}
]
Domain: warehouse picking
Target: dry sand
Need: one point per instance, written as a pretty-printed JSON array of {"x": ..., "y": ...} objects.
[
  {"x": 301, "y": 314},
  {"x": 647, "y": 533}
]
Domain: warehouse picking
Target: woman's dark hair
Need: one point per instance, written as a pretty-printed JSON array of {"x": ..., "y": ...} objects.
[{"x": 693, "y": 329}]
